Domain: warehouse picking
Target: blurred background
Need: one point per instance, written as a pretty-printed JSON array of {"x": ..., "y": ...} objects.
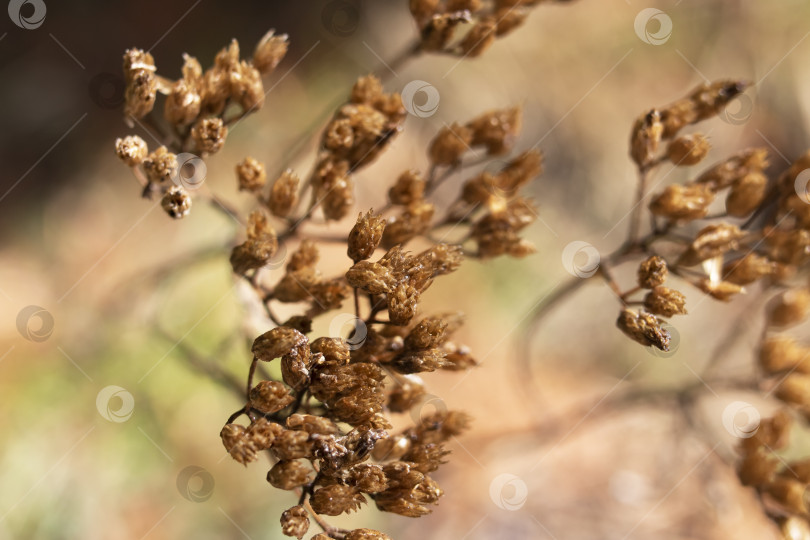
[{"x": 110, "y": 427}]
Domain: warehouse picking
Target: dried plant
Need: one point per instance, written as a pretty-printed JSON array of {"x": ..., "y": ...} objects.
[
  {"x": 324, "y": 419},
  {"x": 728, "y": 230}
]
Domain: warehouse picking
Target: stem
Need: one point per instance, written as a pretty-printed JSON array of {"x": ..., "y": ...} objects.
[{"x": 635, "y": 217}]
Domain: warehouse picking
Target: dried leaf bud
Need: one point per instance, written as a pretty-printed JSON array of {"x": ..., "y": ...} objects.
[
  {"x": 781, "y": 353},
  {"x": 366, "y": 534},
  {"x": 289, "y": 474},
  {"x": 665, "y": 302},
  {"x": 251, "y": 175},
  {"x": 131, "y": 150},
  {"x": 720, "y": 290},
  {"x": 270, "y": 51},
  {"x": 496, "y": 130},
  {"x": 176, "y": 202},
  {"x": 746, "y": 194},
  {"x": 710, "y": 242},
  {"x": 688, "y": 149},
  {"x": 295, "y": 522},
  {"x": 336, "y": 499},
  {"x": 284, "y": 194},
  {"x": 748, "y": 269},
  {"x": 270, "y": 396},
  {"x": 645, "y": 138},
  {"x": 758, "y": 468},
  {"x": 209, "y": 135},
  {"x": 652, "y": 272},
  {"x": 365, "y": 236},
  {"x": 789, "y": 493},
  {"x": 683, "y": 202},
  {"x": 409, "y": 188},
  {"x": 450, "y": 144},
  {"x": 160, "y": 166},
  {"x": 644, "y": 328},
  {"x": 278, "y": 342},
  {"x": 182, "y": 105},
  {"x": 480, "y": 38},
  {"x": 795, "y": 389},
  {"x": 789, "y": 308}
]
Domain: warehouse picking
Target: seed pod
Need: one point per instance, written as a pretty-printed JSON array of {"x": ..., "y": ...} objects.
[
  {"x": 665, "y": 302},
  {"x": 480, "y": 38},
  {"x": 160, "y": 166},
  {"x": 131, "y": 150},
  {"x": 270, "y": 396},
  {"x": 284, "y": 194},
  {"x": 789, "y": 308},
  {"x": 748, "y": 269},
  {"x": 293, "y": 445},
  {"x": 209, "y": 135},
  {"x": 496, "y": 130},
  {"x": 246, "y": 87},
  {"x": 644, "y": 328},
  {"x": 365, "y": 236},
  {"x": 720, "y": 290},
  {"x": 683, "y": 203},
  {"x": 710, "y": 242},
  {"x": 371, "y": 277},
  {"x": 289, "y": 474},
  {"x": 414, "y": 220},
  {"x": 758, "y": 468},
  {"x": 366, "y": 534},
  {"x": 781, "y": 353},
  {"x": 645, "y": 138},
  {"x": 336, "y": 499},
  {"x": 746, "y": 194},
  {"x": 312, "y": 424},
  {"x": 141, "y": 83},
  {"x": 789, "y": 493},
  {"x": 409, "y": 188},
  {"x": 182, "y": 105},
  {"x": 450, "y": 144},
  {"x": 251, "y": 175},
  {"x": 278, "y": 342},
  {"x": 176, "y": 202},
  {"x": 652, "y": 272},
  {"x": 795, "y": 389},
  {"x": 295, "y": 522},
  {"x": 260, "y": 246},
  {"x": 269, "y": 51},
  {"x": 688, "y": 149},
  {"x": 732, "y": 169},
  {"x": 237, "y": 444},
  {"x": 335, "y": 351}
]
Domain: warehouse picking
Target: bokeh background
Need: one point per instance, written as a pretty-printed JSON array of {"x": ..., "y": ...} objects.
[{"x": 132, "y": 309}]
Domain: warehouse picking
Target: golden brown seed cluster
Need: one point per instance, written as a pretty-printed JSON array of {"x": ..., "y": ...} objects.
[
  {"x": 197, "y": 110},
  {"x": 757, "y": 235},
  {"x": 467, "y": 28},
  {"x": 323, "y": 410}
]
